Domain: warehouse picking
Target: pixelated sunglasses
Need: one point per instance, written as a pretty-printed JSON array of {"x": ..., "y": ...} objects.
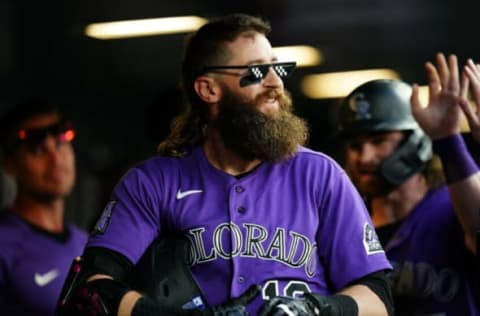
[
  {"x": 256, "y": 72},
  {"x": 63, "y": 131}
]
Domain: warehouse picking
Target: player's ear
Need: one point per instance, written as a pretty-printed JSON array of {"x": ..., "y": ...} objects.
[{"x": 207, "y": 89}]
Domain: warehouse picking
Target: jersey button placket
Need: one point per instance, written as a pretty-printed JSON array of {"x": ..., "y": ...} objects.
[
  {"x": 240, "y": 189},
  {"x": 241, "y": 209},
  {"x": 238, "y": 207}
]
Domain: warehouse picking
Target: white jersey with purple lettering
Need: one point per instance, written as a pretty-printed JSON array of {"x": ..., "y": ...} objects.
[{"x": 291, "y": 227}]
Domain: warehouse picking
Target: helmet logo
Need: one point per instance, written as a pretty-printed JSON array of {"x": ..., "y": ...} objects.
[{"x": 359, "y": 104}]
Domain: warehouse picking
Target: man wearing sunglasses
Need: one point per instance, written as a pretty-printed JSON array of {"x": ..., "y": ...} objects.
[
  {"x": 273, "y": 228},
  {"x": 37, "y": 246}
]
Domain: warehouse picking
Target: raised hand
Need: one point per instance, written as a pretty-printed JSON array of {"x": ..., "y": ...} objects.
[
  {"x": 442, "y": 116},
  {"x": 472, "y": 72}
]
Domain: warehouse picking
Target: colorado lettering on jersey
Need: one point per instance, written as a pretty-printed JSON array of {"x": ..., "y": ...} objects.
[
  {"x": 421, "y": 280},
  {"x": 251, "y": 240}
]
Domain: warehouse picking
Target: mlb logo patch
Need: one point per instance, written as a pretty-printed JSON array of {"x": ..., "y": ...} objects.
[
  {"x": 104, "y": 220},
  {"x": 370, "y": 240}
]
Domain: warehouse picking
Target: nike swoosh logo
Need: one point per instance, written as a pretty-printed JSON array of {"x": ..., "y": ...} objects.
[
  {"x": 181, "y": 195},
  {"x": 44, "y": 279}
]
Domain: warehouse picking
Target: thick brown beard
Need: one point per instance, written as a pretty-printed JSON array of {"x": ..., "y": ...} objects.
[{"x": 252, "y": 134}]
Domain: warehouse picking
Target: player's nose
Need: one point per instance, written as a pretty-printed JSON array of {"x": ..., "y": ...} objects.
[
  {"x": 273, "y": 80},
  {"x": 366, "y": 152}
]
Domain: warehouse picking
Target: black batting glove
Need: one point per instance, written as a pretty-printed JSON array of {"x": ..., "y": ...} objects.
[
  {"x": 310, "y": 304},
  {"x": 234, "y": 307},
  {"x": 282, "y": 305}
]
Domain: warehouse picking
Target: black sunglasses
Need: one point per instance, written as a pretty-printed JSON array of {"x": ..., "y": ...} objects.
[
  {"x": 63, "y": 131},
  {"x": 257, "y": 72}
]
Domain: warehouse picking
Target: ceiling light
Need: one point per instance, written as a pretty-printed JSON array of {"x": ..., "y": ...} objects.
[
  {"x": 144, "y": 27},
  {"x": 304, "y": 55},
  {"x": 340, "y": 84}
]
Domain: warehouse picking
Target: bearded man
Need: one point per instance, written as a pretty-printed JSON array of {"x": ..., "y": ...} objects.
[{"x": 260, "y": 210}]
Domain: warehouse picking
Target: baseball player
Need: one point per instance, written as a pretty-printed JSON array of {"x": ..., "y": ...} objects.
[
  {"x": 273, "y": 228},
  {"x": 387, "y": 153},
  {"x": 36, "y": 244},
  {"x": 467, "y": 192}
]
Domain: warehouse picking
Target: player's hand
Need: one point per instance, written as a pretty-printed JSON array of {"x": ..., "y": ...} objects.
[
  {"x": 236, "y": 306},
  {"x": 442, "y": 116},
  {"x": 472, "y": 73},
  {"x": 287, "y": 306}
]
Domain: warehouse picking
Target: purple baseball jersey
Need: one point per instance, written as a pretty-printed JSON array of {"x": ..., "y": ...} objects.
[
  {"x": 291, "y": 227},
  {"x": 34, "y": 265},
  {"x": 434, "y": 273}
]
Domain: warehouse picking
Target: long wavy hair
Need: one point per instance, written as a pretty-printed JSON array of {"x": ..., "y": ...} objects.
[{"x": 204, "y": 48}]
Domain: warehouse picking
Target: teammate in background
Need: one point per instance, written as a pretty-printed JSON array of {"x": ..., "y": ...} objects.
[
  {"x": 37, "y": 246},
  {"x": 472, "y": 71},
  {"x": 441, "y": 121},
  {"x": 258, "y": 208},
  {"x": 386, "y": 156}
]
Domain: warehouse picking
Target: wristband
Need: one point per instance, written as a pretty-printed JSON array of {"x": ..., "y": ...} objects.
[{"x": 457, "y": 162}]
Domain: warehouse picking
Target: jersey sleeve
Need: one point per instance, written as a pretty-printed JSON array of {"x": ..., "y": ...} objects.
[
  {"x": 348, "y": 244},
  {"x": 130, "y": 220}
]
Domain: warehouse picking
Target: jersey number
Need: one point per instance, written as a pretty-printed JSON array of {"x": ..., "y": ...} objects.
[{"x": 292, "y": 289}]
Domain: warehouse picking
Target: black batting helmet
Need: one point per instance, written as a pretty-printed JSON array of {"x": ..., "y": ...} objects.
[
  {"x": 384, "y": 105},
  {"x": 378, "y": 105}
]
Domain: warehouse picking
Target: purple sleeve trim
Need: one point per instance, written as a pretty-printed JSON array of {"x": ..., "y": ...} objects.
[{"x": 457, "y": 162}]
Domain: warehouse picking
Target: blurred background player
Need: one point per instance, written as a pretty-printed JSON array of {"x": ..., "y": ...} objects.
[
  {"x": 387, "y": 156},
  {"x": 472, "y": 72},
  {"x": 37, "y": 246}
]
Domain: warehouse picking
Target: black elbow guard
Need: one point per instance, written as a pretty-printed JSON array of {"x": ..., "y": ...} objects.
[
  {"x": 100, "y": 297},
  {"x": 380, "y": 285},
  {"x": 334, "y": 305}
]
